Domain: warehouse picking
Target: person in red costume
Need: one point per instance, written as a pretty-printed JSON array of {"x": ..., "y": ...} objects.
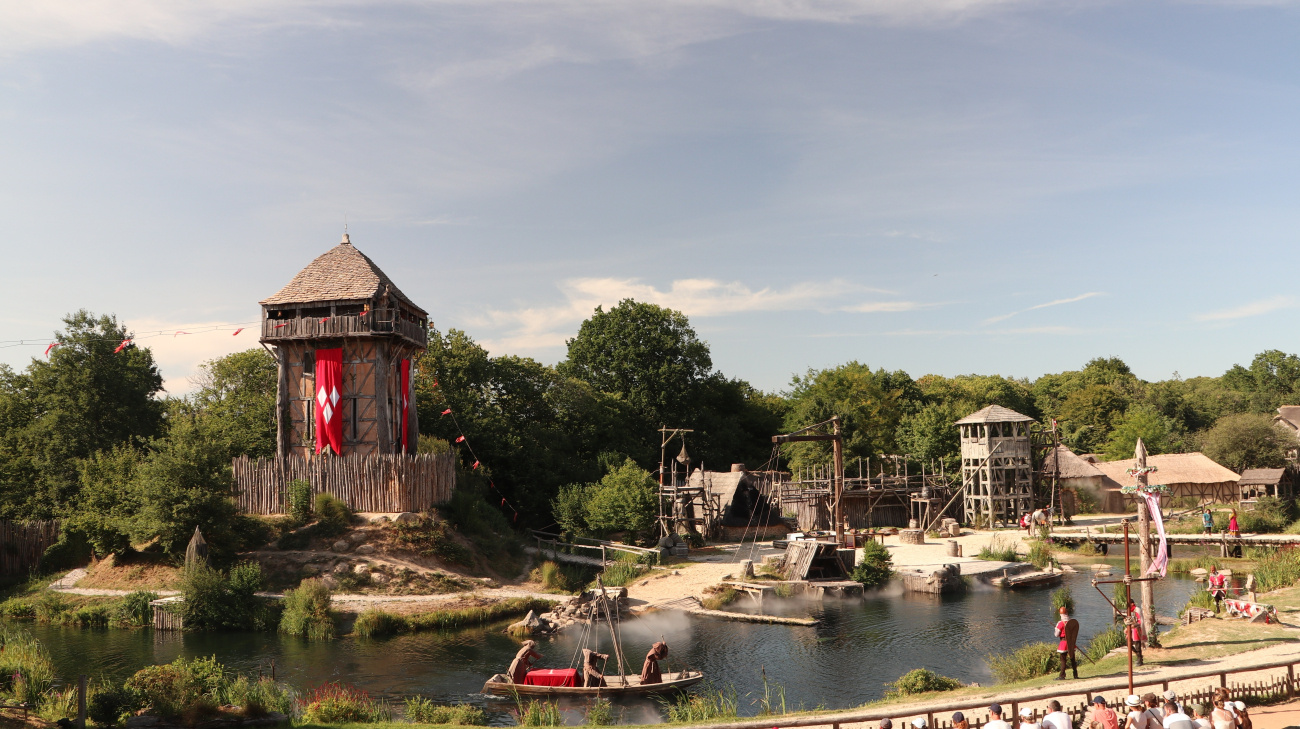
[
  {"x": 1218, "y": 586},
  {"x": 1136, "y": 632},
  {"x": 1067, "y": 632}
]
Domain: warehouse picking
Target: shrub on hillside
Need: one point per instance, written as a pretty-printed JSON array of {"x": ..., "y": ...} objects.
[
  {"x": 336, "y": 703},
  {"x": 299, "y": 499},
  {"x": 215, "y": 600}
]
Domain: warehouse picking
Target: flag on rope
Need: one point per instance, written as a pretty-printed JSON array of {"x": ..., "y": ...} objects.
[
  {"x": 177, "y": 334},
  {"x": 322, "y": 321},
  {"x": 278, "y": 326},
  {"x": 461, "y": 439},
  {"x": 475, "y": 468},
  {"x": 329, "y": 418},
  {"x": 122, "y": 346},
  {"x": 447, "y": 411},
  {"x": 237, "y": 331},
  {"x": 435, "y": 383},
  {"x": 52, "y": 346}
]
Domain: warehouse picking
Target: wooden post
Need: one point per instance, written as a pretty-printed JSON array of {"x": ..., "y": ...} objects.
[
  {"x": 1223, "y": 680},
  {"x": 1290, "y": 681},
  {"x": 602, "y": 556},
  {"x": 272, "y": 669},
  {"x": 837, "y": 448},
  {"x": 81, "y": 701}
]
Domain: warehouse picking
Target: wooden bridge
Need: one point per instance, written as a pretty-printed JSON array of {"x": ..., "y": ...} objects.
[{"x": 1225, "y": 542}]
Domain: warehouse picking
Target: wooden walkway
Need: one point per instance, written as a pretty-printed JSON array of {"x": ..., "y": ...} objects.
[{"x": 1222, "y": 541}]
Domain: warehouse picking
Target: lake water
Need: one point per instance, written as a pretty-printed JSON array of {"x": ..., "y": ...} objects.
[{"x": 844, "y": 661}]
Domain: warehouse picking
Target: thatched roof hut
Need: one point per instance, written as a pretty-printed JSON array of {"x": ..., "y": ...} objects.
[{"x": 1186, "y": 474}]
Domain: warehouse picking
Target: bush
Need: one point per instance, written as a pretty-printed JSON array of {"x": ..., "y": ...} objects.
[
  {"x": 134, "y": 610},
  {"x": 920, "y": 681},
  {"x": 216, "y": 601},
  {"x": 540, "y": 713},
  {"x": 258, "y": 696},
  {"x": 600, "y": 713},
  {"x": 1031, "y": 661},
  {"x": 307, "y": 612},
  {"x": 190, "y": 688},
  {"x": 108, "y": 705},
  {"x": 564, "y": 577},
  {"x": 423, "y": 711},
  {"x": 376, "y": 623},
  {"x": 999, "y": 549},
  {"x": 333, "y": 517},
  {"x": 876, "y": 567},
  {"x": 719, "y": 597},
  {"x": 299, "y": 500},
  {"x": 624, "y": 500},
  {"x": 1104, "y": 642},
  {"x": 336, "y": 703}
]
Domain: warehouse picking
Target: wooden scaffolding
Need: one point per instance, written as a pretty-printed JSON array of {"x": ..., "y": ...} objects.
[{"x": 996, "y": 466}]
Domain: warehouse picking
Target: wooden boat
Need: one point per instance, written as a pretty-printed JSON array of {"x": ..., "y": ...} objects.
[
  {"x": 500, "y": 685},
  {"x": 1027, "y": 579},
  {"x": 618, "y": 684}
]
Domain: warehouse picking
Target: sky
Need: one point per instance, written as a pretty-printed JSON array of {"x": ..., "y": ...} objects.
[{"x": 938, "y": 186}]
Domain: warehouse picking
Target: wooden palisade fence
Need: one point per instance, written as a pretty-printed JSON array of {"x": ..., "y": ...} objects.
[
  {"x": 374, "y": 483},
  {"x": 23, "y": 543},
  {"x": 1280, "y": 682}
]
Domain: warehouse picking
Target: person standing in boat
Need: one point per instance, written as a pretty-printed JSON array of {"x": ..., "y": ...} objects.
[
  {"x": 650, "y": 669},
  {"x": 592, "y": 676},
  {"x": 523, "y": 662}
]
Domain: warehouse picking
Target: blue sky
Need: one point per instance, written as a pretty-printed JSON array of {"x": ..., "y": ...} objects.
[{"x": 944, "y": 186}]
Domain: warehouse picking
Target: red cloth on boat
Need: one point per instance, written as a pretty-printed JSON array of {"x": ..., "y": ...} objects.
[
  {"x": 650, "y": 669},
  {"x": 523, "y": 662},
  {"x": 552, "y": 677}
]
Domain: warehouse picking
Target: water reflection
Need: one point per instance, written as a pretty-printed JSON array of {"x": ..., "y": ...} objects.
[{"x": 844, "y": 661}]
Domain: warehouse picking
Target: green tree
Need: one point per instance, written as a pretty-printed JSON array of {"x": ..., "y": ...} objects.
[
  {"x": 1248, "y": 440},
  {"x": 871, "y": 404},
  {"x": 85, "y": 398},
  {"x": 1089, "y": 414},
  {"x": 648, "y": 355},
  {"x": 236, "y": 394},
  {"x": 624, "y": 500},
  {"x": 1272, "y": 379},
  {"x": 1158, "y": 433}
]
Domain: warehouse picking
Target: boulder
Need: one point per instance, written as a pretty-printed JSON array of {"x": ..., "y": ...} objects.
[
  {"x": 379, "y": 578},
  {"x": 407, "y": 517},
  {"x": 341, "y": 545},
  {"x": 310, "y": 570},
  {"x": 329, "y": 581},
  {"x": 366, "y": 549},
  {"x": 340, "y": 568},
  {"x": 361, "y": 569}
]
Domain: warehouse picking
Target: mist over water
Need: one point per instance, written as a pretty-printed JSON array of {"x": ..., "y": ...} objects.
[{"x": 844, "y": 661}]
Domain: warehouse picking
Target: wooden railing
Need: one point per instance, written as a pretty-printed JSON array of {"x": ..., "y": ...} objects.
[
  {"x": 341, "y": 326},
  {"x": 371, "y": 483},
  {"x": 976, "y": 710},
  {"x": 598, "y": 546}
]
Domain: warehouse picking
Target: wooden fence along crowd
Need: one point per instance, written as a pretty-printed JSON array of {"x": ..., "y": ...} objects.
[
  {"x": 23, "y": 543},
  {"x": 1280, "y": 682},
  {"x": 374, "y": 483}
]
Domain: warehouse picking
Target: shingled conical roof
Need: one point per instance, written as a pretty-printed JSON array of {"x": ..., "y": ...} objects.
[
  {"x": 341, "y": 273},
  {"x": 994, "y": 414}
]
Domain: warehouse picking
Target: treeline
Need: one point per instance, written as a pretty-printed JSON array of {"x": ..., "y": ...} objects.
[{"x": 88, "y": 435}]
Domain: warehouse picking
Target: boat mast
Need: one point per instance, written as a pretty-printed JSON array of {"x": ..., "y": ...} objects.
[{"x": 613, "y": 633}]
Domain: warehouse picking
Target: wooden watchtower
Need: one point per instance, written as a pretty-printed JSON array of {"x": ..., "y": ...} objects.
[
  {"x": 343, "y": 301},
  {"x": 996, "y": 465}
]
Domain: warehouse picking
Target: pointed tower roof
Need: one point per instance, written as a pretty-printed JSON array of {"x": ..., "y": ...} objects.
[
  {"x": 341, "y": 273},
  {"x": 995, "y": 414}
]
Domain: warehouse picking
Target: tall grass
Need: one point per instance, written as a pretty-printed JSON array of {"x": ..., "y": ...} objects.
[
  {"x": 564, "y": 577},
  {"x": 423, "y": 711},
  {"x": 706, "y": 705},
  {"x": 600, "y": 713},
  {"x": 336, "y": 703},
  {"x": 1199, "y": 599},
  {"x": 376, "y": 623},
  {"x": 540, "y": 713},
  {"x": 620, "y": 573},
  {"x": 1103, "y": 643},
  {"x": 1031, "y": 661},
  {"x": 1204, "y": 562},
  {"x": 1040, "y": 554},
  {"x": 26, "y": 672},
  {"x": 999, "y": 549},
  {"x": 307, "y": 611},
  {"x": 719, "y": 598},
  {"x": 1063, "y": 598},
  {"x": 1281, "y": 569}
]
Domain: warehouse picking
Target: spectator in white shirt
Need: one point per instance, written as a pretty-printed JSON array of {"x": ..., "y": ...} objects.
[
  {"x": 995, "y": 718},
  {"x": 1175, "y": 719},
  {"x": 1055, "y": 718},
  {"x": 1027, "y": 718}
]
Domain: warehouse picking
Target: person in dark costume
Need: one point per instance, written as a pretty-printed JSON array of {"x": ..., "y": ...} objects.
[
  {"x": 650, "y": 670},
  {"x": 523, "y": 662},
  {"x": 591, "y": 675}
]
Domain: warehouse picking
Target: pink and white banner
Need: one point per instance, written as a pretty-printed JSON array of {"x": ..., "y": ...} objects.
[{"x": 1161, "y": 562}]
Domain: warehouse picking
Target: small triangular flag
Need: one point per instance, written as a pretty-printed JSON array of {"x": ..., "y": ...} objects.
[
  {"x": 237, "y": 331},
  {"x": 122, "y": 346},
  {"x": 52, "y": 346},
  {"x": 447, "y": 411},
  {"x": 475, "y": 468},
  {"x": 461, "y": 439}
]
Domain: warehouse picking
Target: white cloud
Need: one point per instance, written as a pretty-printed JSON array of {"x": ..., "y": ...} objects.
[
  {"x": 548, "y": 326},
  {"x": 1057, "y": 302},
  {"x": 1254, "y": 308},
  {"x": 179, "y": 355}
]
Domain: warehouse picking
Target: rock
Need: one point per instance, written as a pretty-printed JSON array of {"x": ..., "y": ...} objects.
[
  {"x": 340, "y": 568},
  {"x": 361, "y": 569},
  {"x": 341, "y": 545},
  {"x": 407, "y": 517},
  {"x": 310, "y": 570},
  {"x": 366, "y": 549},
  {"x": 329, "y": 581},
  {"x": 379, "y": 578},
  {"x": 643, "y": 583},
  {"x": 677, "y": 573},
  {"x": 1199, "y": 572},
  {"x": 357, "y": 537}
]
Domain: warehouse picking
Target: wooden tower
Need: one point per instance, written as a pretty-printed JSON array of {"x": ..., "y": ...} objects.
[
  {"x": 996, "y": 465},
  {"x": 345, "y": 338}
]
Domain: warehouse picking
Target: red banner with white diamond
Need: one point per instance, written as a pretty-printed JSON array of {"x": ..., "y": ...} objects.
[{"x": 329, "y": 385}]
